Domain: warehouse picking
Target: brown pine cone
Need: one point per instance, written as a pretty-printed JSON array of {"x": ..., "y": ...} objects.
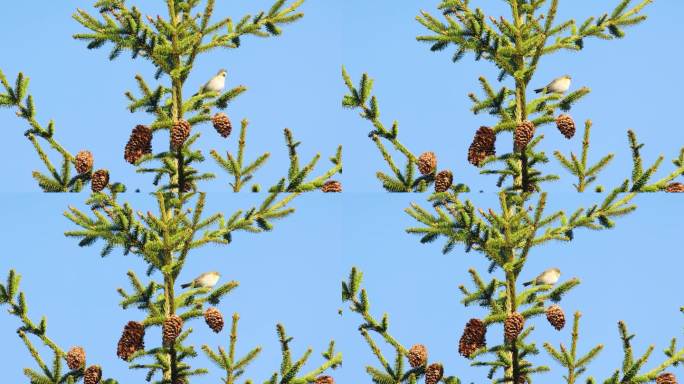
[
  {"x": 222, "y": 124},
  {"x": 179, "y": 133},
  {"x": 100, "y": 180},
  {"x": 214, "y": 319},
  {"x": 483, "y": 146},
  {"x": 566, "y": 126},
  {"x": 434, "y": 373},
  {"x": 92, "y": 375},
  {"x": 84, "y": 162},
  {"x": 131, "y": 341},
  {"x": 443, "y": 181},
  {"x": 75, "y": 358},
  {"x": 171, "y": 329},
  {"x": 139, "y": 144},
  {"x": 513, "y": 325},
  {"x": 427, "y": 163},
  {"x": 555, "y": 316},
  {"x": 417, "y": 356},
  {"x": 524, "y": 133},
  {"x": 332, "y": 186},
  {"x": 325, "y": 380},
  {"x": 473, "y": 337},
  {"x": 666, "y": 378},
  {"x": 675, "y": 188}
]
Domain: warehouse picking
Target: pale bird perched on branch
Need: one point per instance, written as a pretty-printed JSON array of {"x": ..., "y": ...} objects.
[
  {"x": 548, "y": 277},
  {"x": 217, "y": 83},
  {"x": 205, "y": 280},
  {"x": 559, "y": 85}
]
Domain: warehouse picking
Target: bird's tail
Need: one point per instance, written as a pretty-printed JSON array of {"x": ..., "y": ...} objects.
[
  {"x": 186, "y": 285},
  {"x": 540, "y": 90},
  {"x": 527, "y": 284}
]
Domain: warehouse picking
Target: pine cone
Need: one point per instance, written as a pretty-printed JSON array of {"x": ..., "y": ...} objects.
[
  {"x": 513, "y": 325},
  {"x": 434, "y": 373},
  {"x": 222, "y": 124},
  {"x": 427, "y": 163},
  {"x": 483, "y": 146},
  {"x": 555, "y": 316},
  {"x": 84, "y": 162},
  {"x": 675, "y": 188},
  {"x": 443, "y": 181},
  {"x": 75, "y": 358},
  {"x": 566, "y": 125},
  {"x": 473, "y": 338},
  {"x": 417, "y": 356},
  {"x": 324, "y": 380},
  {"x": 139, "y": 144},
  {"x": 92, "y": 375},
  {"x": 131, "y": 340},
  {"x": 332, "y": 186},
  {"x": 171, "y": 329},
  {"x": 214, "y": 319},
  {"x": 666, "y": 378},
  {"x": 179, "y": 133},
  {"x": 524, "y": 133},
  {"x": 100, "y": 180}
]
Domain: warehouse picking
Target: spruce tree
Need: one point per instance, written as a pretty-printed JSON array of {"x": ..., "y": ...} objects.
[
  {"x": 165, "y": 240},
  {"x": 513, "y": 152}
]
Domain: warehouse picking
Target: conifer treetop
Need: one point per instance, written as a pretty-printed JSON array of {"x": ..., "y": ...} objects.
[{"x": 510, "y": 233}]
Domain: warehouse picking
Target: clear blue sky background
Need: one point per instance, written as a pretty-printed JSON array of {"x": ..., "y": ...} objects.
[{"x": 294, "y": 82}]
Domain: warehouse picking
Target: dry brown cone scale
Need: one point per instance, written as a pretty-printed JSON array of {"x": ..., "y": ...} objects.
[
  {"x": 171, "y": 329},
  {"x": 473, "y": 338},
  {"x": 131, "y": 341},
  {"x": 332, "y": 186},
  {"x": 675, "y": 188},
  {"x": 214, "y": 319},
  {"x": 434, "y": 373},
  {"x": 566, "y": 126},
  {"x": 179, "y": 134},
  {"x": 100, "y": 180},
  {"x": 324, "y": 380},
  {"x": 84, "y": 162},
  {"x": 139, "y": 144},
  {"x": 75, "y": 358},
  {"x": 483, "y": 146},
  {"x": 666, "y": 378},
  {"x": 556, "y": 316},
  {"x": 524, "y": 133},
  {"x": 443, "y": 181},
  {"x": 513, "y": 326},
  {"x": 427, "y": 163},
  {"x": 417, "y": 356},
  {"x": 222, "y": 124},
  {"x": 92, "y": 375}
]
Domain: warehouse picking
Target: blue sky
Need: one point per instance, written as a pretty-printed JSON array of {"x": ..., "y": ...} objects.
[{"x": 292, "y": 275}]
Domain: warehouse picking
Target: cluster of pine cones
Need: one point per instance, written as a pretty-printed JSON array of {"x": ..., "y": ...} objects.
[
  {"x": 76, "y": 359},
  {"x": 427, "y": 165},
  {"x": 473, "y": 337},
  {"x": 84, "y": 164},
  {"x": 418, "y": 357}
]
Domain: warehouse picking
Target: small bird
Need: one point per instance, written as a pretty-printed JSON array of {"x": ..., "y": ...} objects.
[
  {"x": 548, "y": 277},
  {"x": 217, "y": 83},
  {"x": 559, "y": 85},
  {"x": 205, "y": 280}
]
